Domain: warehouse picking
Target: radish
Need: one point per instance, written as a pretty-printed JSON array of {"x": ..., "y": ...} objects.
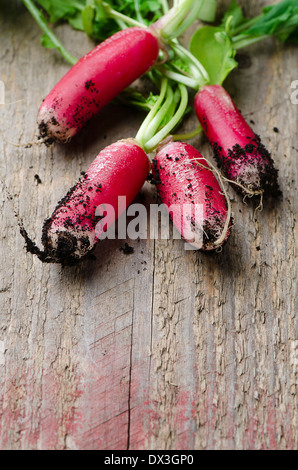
[
  {"x": 237, "y": 149},
  {"x": 95, "y": 80},
  {"x": 69, "y": 235},
  {"x": 183, "y": 177}
]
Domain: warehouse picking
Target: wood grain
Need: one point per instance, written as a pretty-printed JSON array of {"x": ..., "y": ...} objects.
[{"x": 163, "y": 348}]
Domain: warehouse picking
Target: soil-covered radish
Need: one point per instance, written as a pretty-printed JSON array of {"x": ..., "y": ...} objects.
[
  {"x": 70, "y": 234},
  {"x": 183, "y": 179},
  {"x": 95, "y": 80},
  {"x": 238, "y": 150}
]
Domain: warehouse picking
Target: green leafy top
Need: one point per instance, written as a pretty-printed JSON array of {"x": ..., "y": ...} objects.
[
  {"x": 280, "y": 20},
  {"x": 100, "y": 19},
  {"x": 93, "y": 16},
  {"x": 216, "y": 47},
  {"x": 213, "y": 48}
]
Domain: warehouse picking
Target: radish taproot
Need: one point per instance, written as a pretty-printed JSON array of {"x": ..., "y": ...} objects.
[
  {"x": 238, "y": 151},
  {"x": 72, "y": 231},
  {"x": 183, "y": 178},
  {"x": 95, "y": 80}
]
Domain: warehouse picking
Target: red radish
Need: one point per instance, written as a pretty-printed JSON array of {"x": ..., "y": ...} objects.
[
  {"x": 70, "y": 233},
  {"x": 237, "y": 149},
  {"x": 95, "y": 80},
  {"x": 183, "y": 177}
]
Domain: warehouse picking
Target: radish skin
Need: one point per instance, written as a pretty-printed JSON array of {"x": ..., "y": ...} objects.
[
  {"x": 96, "y": 79},
  {"x": 183, "y": 177},
  {"x": 70, "y": 233},
  {"x": 237, "y": 149}
]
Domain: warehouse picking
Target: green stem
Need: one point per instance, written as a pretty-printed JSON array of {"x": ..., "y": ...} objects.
[
  {"x": 188, "y": 57},
  {"x": 179, "y": 77},
  {"x": 166, "y": 130},
  {"x": 177, "y": 19},
  {"x": 208, "y": 11},
  {"x": 165, "y": 6},
  {"x": 241, "y": 41},
  {"x": 133, "y": 102},
  {"x": 140, "y": 135},
  {"x": 247, "y": 24},
  {"x": 158, "y": 118},
  {"x": 189, "y": 135},
  {"x": 121, "y": 23},
  {"x": 155, "y": 76},
  {"x": 41, "y": 21},
  {"x": 116, "y": 15},
  {"x": 189, "y": 19},
  {"x": 138, "y": 13}
]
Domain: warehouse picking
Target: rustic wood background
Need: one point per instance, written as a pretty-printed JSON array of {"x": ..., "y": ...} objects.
[{"x": 163, "y": 348}]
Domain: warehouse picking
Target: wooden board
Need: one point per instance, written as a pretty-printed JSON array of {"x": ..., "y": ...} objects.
[{"x": 163, "y": 348}]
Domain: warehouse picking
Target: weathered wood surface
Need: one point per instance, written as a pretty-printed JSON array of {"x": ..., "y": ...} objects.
[{"x": 164, "y": 348}]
